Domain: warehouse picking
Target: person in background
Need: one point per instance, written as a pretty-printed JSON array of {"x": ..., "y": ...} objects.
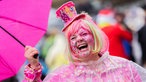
[
  {"x": 119, "y": 17},
  {"x": 111, "y": 23},
  {"x": 55, "y": 55},
  {"x": 135, "y": 20},
  {"x": 142, "y": 39},
  {"x": 89, "y": 58}
]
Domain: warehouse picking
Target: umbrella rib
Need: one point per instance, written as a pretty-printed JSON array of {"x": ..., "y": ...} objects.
[
  {"x": 22, "y": 22},
  {"x": 12, "y": 36},
  {"x": 35, "y": 56}
]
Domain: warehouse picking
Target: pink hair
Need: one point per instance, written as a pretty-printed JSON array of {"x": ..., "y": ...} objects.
[{"x": 100, "y": 39}]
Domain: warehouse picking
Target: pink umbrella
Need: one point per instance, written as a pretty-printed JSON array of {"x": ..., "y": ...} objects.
[{"x": 22, "y": 22}]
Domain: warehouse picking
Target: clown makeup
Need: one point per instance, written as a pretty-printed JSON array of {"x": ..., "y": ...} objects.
[{"x": 81, "y": 41}]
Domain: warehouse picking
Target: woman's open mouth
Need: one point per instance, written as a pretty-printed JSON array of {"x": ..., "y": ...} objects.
[{"x": 82, "y": 46}]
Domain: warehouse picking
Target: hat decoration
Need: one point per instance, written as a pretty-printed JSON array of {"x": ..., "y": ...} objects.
[{"x": 67, "y": 13}]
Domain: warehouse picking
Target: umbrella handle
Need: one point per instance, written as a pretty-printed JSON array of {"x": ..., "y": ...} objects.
[{"x": 35, "y": 56}]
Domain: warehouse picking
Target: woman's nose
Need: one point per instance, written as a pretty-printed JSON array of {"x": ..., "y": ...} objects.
[{"x": 79, "y": 38}]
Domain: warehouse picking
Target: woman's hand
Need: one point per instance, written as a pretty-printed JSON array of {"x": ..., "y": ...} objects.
[{"x": 29, "y": 55}]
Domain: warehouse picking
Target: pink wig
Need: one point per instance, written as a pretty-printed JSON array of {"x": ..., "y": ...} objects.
[{"x": 100, "y": 39}]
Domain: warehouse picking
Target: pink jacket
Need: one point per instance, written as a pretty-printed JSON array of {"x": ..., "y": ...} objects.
[{"x": 106, "y": 69}]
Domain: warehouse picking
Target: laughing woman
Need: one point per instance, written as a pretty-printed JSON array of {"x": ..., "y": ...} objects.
[{"x": 89, "y": 58}]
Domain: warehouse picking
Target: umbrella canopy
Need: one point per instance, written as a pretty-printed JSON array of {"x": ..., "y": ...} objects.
[{"x": 22, "y": 22}]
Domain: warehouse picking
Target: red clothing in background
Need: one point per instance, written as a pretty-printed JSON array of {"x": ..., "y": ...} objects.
[{"x": 116, "y": 34}]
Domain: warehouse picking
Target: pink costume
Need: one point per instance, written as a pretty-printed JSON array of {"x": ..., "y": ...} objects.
[
  {"x": 106, "y": 69},
  {"x": 32, "y": 75}
]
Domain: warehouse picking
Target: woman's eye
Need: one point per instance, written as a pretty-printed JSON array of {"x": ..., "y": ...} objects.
[
  {"x": 84, "y": 34},
  {"x": 72, "y": 38}
]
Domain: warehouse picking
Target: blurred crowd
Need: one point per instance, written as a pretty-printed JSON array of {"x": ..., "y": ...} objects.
[{"x": 125, "y": 26}]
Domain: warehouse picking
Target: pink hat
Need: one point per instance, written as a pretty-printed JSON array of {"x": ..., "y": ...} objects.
[{"x": 68, "y": 14}]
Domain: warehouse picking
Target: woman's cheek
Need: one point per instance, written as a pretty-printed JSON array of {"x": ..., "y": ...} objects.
[
  {"x": 72, "y": 45},
  {"x": 88, "y": 38}
]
